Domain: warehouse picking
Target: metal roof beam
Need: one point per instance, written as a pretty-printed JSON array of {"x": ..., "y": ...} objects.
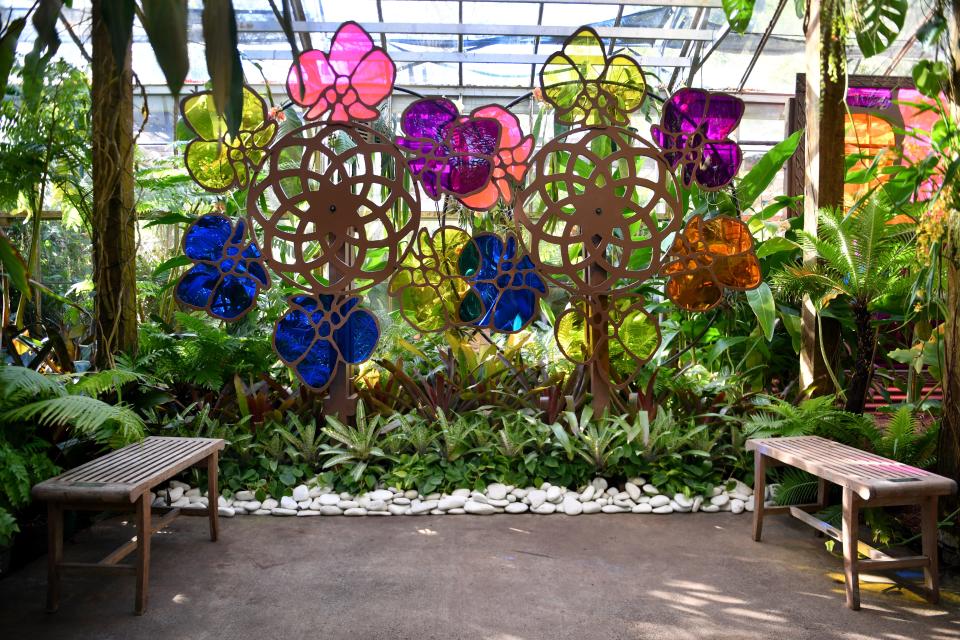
[
  {"x": 468, "y": 57},
  {"x": 437, "y": 28},
  {"x": 710, "y": 4}
]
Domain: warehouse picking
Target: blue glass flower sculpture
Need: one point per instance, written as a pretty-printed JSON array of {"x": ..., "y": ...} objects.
[
  {"x": 320, "y": 331},
  {"x": 504, "y": 285},
  {"x": 228, "y": 272}
]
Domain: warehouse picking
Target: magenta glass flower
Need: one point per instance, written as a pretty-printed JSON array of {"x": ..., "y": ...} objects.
[
  {"x": 349, "y": 81},
  {"x": 693, "y": 131},
  {"x": 451, "y": 154}
]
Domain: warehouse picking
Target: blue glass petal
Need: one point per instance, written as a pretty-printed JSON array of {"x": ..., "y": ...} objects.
[
  {"x": 238, "y": 232},
  {"x": 307, "y": 302},
  {"x": 293, "y": 335},
  {"x": 536, "y": 282},
  {"x": 197, "y": 285},
  {"x": 233, "y": 297},
  {"x": 491, "y": 253},
  {"x": 256, "y": 270},
  {"x": 318, "y": 366},
  {"x": 252, "y": 251},
  {"x": 206, "y": 238},
  {"x": 514, "y": 310},
  {"x": 357, "y": 338}
]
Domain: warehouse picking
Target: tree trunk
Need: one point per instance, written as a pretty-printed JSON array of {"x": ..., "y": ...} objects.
[
  {"x": 825, "y": 117},
  {"x": 863, "y": 363},
  {"x": 114, "y": 216}
]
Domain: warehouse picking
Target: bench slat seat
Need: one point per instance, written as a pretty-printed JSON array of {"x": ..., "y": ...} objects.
[
  {"x": 122, "y": 480},
  {"x": 870, "y": 476},
  {"x": 867, "y": 480},
  {"x": 123, "y": 475}
]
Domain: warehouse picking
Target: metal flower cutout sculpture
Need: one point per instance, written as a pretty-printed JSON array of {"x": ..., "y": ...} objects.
[
  {"x": 333, "y": 209},
  {"x": 228, "y": 269},
  {"x": 694, "y": 132},
  {"x": 708, "y": 257},
  {"x": 449, "y": 154},
  {"x": 318, "y": 333},
  {"x": 588, "y": 88},
  {"x": 215, "y": 160},
  {"x": 504, "y": 286},
  {"x": 348, "y": 82}
]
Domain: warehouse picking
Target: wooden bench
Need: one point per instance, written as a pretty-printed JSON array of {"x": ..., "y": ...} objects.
[
  {"x": 121, "y": 481},
  {"x": 867, "y": 480}
]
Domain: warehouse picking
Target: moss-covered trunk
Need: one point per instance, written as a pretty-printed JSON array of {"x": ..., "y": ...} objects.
[
  {"x": 114, "y": 217},
  {"x": 863, "y": 361}
]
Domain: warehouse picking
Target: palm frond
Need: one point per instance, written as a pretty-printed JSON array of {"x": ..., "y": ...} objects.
[{"x": 20, "y": 383}]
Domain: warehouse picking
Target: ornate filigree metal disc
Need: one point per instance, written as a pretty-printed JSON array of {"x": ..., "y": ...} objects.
[
  {"x": 598, "y": 205},
  {"x": 335, "y": 206}
]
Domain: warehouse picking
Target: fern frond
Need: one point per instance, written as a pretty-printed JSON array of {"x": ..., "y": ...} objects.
[
  {"x": 797, "y": 487},
  {"x": 96, "y": 383},
  {"x": 19, "y": 383},
  {"x": 88, "y": 416}
]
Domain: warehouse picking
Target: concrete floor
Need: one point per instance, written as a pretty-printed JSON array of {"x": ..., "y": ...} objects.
[{"x": 495, "y": 577}]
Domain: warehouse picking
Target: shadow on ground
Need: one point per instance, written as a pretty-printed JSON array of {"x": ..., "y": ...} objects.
[{"x": 685, "y": 577}]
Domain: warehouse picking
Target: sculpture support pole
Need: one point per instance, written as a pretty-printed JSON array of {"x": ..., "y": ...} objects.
[{"x": 597, "y": 320}]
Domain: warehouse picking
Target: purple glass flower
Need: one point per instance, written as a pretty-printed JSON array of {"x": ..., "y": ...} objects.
[
  {"x": 694, "y": 130},
  {"x": 451, "y": 153}
]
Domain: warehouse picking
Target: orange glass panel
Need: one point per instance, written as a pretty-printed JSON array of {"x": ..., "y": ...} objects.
[{"x": 867, "y": 134}]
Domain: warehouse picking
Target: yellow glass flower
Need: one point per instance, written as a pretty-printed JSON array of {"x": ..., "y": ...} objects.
[
  {"x": 216, "y": 160},
  {"x": 588, "y": 88}
]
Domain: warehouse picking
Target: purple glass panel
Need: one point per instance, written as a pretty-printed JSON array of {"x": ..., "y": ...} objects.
[{"x": 870, "y": 97}]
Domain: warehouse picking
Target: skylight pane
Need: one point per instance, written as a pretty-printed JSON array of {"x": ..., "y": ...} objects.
[
  {"x": 500, "y": 12},
  {"x": 340, "y": 11},
  {"x": 444, "y": 11}
]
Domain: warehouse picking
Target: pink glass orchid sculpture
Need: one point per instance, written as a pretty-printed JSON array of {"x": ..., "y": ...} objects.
[
  {"x": 509, "y": 162},
  {"x": 349, "y": 81}
]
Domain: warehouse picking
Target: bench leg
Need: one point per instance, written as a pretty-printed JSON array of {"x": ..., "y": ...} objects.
[
  {"x": 143, "y": 552},
  {"x": 213, "y": 495},
  {"x": 54, "y": 554},
  {"x": 851, "y": 515},
  {"x": 759, "y": 492},
  {"x": 928, "y": 527}
]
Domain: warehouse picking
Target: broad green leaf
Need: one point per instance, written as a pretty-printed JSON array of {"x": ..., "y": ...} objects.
[
  {"x": 791, "y": 322},
  {"x": 761, "y": 301},
  {"x": 172, "y": 263},
  {"x": 118, "y": 16},
  {"x": 774, "y": 245},
  {"x": 13, "y": 265},
  {"x": 878, "y": 23},
  {"x": 170, "y": 218},
  {"x": 930, "y": 77},
  {"x": 766, "y": 169},
  {"x": 8, "y": 49},
  {"x": 223, "y": 61},
  {"x": 165, "y": 22},
  {"x": 738, "y": 13}
]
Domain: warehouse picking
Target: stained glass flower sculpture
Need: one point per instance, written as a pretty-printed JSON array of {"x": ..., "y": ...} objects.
[
  {"x": 228, "y": 271},
  {"x": 619, "y": 327},
  {"x": 708, "y": 257},
  {"x": 428, "y": 282},
  {"x": 450, "y": 154},
  {"x": 216, "y": 160},
  {"x": 509, "y": 163},
  {"x": 693, "y": 132},
  {"x": 317, "y": 333},
  {"x": 504, "y": 285},
  {"x": 349, "y": 81},
  {"x": 588, "y": 88}
]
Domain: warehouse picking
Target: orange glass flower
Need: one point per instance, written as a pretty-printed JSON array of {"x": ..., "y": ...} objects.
[{"x": 707, "y": 257}]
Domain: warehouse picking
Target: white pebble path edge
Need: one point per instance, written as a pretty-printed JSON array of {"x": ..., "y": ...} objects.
[{"x": 637, "y": 496}]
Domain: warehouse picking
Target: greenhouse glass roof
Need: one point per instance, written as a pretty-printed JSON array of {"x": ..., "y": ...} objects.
[{"x": 474, "y": 46}]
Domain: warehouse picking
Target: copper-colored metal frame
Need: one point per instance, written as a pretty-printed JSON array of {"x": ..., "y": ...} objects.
[{"x": 343, "y": 257}]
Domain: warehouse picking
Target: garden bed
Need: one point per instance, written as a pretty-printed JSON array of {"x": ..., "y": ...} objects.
[{"x": 635, "y": 496}]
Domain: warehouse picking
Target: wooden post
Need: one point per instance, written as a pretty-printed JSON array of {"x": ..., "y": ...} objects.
[
  {"x": 851, "y": 546},
  {"x": 54, "y": 554},
  {"x": 213, "y": 495},
  {"x": 144, "y": 532},
  {"x": 597, "y": 338},
  {"x": 824, "y": 168},
  {"x": 114, "y": 215},
  {"x": 759, "y": 493}
]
